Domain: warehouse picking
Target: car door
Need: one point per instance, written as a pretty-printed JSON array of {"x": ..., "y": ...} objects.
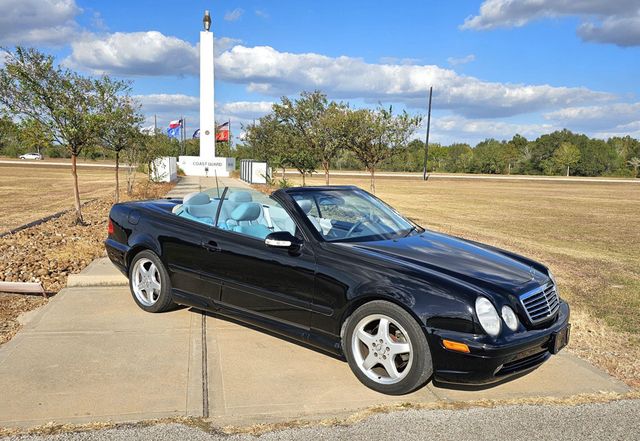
[
  {"x": 269, "y": 283},
  {"x": 185, "y": 248}
]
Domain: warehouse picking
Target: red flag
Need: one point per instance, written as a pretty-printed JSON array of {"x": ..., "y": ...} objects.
[{"x": 222, "y": 133}]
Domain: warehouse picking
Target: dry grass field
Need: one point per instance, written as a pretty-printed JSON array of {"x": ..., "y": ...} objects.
[
  {"x": 29, "y": 192},
  {"x": 587, "y": 233}
]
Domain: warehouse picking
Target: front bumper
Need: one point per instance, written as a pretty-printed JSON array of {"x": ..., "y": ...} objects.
[{"x": 495, "y": 361}]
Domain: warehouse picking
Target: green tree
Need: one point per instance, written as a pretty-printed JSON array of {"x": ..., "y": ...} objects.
[
  {"x": 376, "y": 135},
  {"x": 566, "y": 156},
  {"x": 459, "y": 158},
  {"x": 9, "y": 132},
  {"x": 33, "y": 135},
  {"x": 489, "y": 157},
  {"x": 635, "y": 163},
  {"x": 62, "y": 101},
  {"x": 119, "y": 120},
  {"x": 302, "y": 122}
]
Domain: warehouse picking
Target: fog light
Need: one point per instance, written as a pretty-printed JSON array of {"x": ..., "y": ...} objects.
[{"x": 455, "y": 346}]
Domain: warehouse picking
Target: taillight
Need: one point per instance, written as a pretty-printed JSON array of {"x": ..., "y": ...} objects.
[{"x": 110, "y": 227}]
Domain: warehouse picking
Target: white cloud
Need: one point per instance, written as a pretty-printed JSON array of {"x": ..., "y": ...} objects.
[
  {"x": 596, "y": 117},
  {"x": 261, "y": 13},
  {"x": 148, "y": 53},
  {"x": 602, "y": 21},
  {"x": 171, "y": 106},
  {"x": 461, "y": 60},
  {"x": 162, "y": 102},
  {"x": 42, "y": 22},
  {"x": 268, "y": 71},
  {"x": 619, "y": 30},
  {"x": 245, "y": 109},
  {"x": 271, "y": 72},
  {"x": 234, "y": 15},
  {"x": 454, "y": 128}
]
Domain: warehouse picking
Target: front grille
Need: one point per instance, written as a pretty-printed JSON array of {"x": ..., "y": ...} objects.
[{"x": 541, "y": 303}]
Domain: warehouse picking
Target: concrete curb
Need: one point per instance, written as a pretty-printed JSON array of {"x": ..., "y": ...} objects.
[{"x": 100, "y": 272}]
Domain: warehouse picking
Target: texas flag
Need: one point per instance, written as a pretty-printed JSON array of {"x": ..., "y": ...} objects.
[{"x": 174, "y": 128}]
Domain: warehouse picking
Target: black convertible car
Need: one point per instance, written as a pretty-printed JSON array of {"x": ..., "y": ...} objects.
[{"x": 338, "y": 269}]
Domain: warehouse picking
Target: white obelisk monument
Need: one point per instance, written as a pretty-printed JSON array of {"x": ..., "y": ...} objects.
[
  {"x": 207, "y": 100},
  {"x": 207, "y": 164}
]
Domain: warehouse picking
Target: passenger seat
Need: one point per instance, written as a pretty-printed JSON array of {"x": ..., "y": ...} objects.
[{"x": 246, "y": 213}]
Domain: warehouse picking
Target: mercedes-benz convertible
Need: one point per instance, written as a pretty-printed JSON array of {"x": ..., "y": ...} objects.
[{"x": 337, "y": 269}]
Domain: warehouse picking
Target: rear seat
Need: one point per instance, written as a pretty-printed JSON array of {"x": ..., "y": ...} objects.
[{"x": 199, "y": 207}]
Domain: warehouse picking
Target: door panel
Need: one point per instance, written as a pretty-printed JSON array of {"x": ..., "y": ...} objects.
[
  {"x": 269, "y": 282},
  {"x": 184, "y": 254}
]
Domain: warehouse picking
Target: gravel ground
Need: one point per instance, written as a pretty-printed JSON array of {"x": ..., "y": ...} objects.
[{"x": 608, "y": 421}]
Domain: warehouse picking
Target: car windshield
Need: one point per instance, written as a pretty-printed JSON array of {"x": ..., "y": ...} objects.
[{"x": 352, "y": 215}]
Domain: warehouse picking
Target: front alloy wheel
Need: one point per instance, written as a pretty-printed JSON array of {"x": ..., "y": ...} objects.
[
  {"x": 382, "y": 349},
  {"x": 386, "y": 348}
]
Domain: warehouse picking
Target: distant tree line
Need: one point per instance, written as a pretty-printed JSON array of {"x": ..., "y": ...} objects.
[{"x": 312, "y": 133}]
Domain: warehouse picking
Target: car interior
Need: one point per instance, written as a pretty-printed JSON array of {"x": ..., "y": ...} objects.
[{"x": 243, "y": 211}]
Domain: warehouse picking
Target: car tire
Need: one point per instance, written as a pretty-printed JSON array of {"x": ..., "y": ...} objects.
[
  {"x": 149, "y": 282},
  {"x": 387, "y": 349}
]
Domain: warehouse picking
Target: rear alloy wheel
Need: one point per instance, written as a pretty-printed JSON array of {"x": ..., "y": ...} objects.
[
  {"x": 149, "y": 283},
  {"x": 386, "y": 348}
]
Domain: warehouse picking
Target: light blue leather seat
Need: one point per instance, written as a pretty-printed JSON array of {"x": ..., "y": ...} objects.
[
  {"x": 243, "y": 215},
  {"x": 199, "y": 207},
  {"x": 306, "y": 205},
  {"x": 228, "y": 205}
]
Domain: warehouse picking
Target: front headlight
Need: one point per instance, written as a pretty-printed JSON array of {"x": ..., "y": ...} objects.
[
  {"x": 488, "y": 316},
  {"x": 510, "y": 318}
]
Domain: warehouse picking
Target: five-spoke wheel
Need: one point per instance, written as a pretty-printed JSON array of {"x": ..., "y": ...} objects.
[
  {"x": 149, "y": 282},
  {"x": 382, "y": 349},
  {"x": 386, "y": 348}
]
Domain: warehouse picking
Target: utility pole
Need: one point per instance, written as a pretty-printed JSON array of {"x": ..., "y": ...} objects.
[
  {"x": 155, "y": 125},
  {"x": 426, "y": 144}
]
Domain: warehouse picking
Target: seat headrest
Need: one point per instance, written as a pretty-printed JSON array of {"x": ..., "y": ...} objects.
[
  {"x": 240, "y": 196},
  {"x": 196, "y": 198},
  {"x": 247, "y": 211},
  {"x": 201, "y": 210},
  {"x": 305, "y": 205}
]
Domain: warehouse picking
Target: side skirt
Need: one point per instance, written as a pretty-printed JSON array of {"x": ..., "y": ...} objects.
[{"x": 306, "y": 336}]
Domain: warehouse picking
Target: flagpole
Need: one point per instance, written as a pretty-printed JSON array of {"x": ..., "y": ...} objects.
[
  {"x": 426, "y": 144},
  {"x": 229, "y": 135}
]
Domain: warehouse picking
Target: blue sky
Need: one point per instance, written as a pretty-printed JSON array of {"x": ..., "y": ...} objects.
[{"x": 498, "y": 67}]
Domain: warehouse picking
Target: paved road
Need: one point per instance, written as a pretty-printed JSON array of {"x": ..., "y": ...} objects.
[
  {"x": 610, "y": 421},
  {"x": 46, "y": 163},
  {"x": 402, "y": 175}
]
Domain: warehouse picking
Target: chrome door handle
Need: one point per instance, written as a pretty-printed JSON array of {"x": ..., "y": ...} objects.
[{"x": 211, "y": 246}]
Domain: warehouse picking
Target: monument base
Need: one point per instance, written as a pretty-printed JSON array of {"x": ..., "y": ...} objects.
[{"x": 203, "y": 166}]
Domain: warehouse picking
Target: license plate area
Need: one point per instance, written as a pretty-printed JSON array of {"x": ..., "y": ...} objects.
[{"x": 560, "y": 339}]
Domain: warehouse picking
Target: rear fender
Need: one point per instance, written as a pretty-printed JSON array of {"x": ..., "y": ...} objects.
[{"x": 139, "y": 242}]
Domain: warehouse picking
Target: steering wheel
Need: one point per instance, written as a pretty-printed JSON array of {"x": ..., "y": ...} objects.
[{"x": 369, "y": 219}]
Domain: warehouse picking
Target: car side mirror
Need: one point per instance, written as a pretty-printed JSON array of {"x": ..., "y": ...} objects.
[{"x": 283, "y": 239}]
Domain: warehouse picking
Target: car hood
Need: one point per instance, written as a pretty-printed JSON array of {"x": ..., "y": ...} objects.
[{"x": 484, "y": 267}]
